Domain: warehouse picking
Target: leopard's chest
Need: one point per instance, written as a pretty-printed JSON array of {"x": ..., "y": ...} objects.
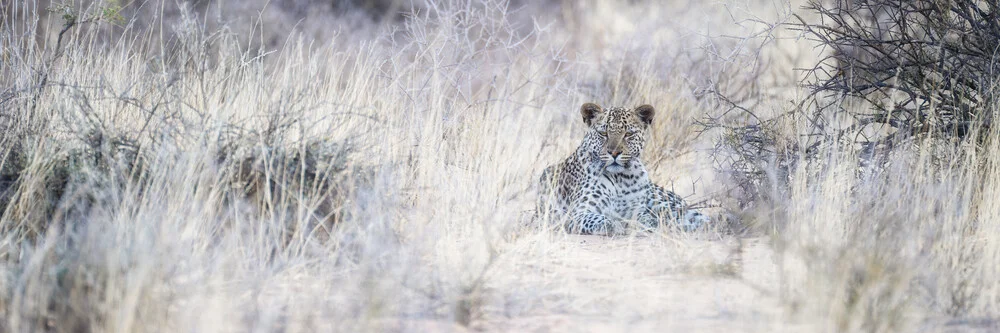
[{"x": 624, "y": 195}]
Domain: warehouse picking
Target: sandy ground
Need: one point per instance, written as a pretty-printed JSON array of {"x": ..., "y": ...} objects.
[
  {"x": 653, "y": 284},
  {"x": 630, "y": 284},
  {"x": 667, "y": 284},
  {"x": 646, "y": 283}
]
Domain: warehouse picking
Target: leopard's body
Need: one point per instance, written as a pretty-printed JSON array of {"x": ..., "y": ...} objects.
[{"x": 604, "y": 184}]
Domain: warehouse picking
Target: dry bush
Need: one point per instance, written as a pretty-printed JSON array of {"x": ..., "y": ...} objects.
[
  {"x": 892, "y": 72},
  {"x": 872, "y": 184},
  {"x": 918, "y": 66}
]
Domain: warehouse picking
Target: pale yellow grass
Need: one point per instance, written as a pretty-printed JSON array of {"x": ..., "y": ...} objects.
[{"x": 450, "y": 116}]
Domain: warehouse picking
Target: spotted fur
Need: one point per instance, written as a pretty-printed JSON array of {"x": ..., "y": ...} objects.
[{"x": 604, "y": 183}]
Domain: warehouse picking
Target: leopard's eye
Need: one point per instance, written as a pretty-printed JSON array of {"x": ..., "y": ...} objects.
[{"x": 602, "y": 132}]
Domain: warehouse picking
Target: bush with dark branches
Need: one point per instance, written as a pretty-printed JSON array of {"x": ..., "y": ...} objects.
[
  {"x": 893, "y": 71},
  {"x": 919, "y": 67}
]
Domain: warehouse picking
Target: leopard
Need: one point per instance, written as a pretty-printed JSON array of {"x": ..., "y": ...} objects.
[{"x": 603, "y": 187}]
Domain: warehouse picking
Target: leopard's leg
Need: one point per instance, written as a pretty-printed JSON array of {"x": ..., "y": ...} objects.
[
  {"x": 586, "y": 218},
  {"x": 648, "y": 219},
  {"x": 667, "y": 206},
  {"x": 660, "y": 208},
  {"x": 590, "y": 223}
]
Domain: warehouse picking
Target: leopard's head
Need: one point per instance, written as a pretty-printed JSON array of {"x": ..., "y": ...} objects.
[{"x": 616, "y": 135}]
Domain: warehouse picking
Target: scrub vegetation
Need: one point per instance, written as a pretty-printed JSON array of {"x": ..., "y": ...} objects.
[{"x": 370, "y": 165}]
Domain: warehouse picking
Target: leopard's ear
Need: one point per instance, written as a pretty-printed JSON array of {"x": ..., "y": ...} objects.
[
  {"x": 645, "y": 113},
  {"x": 589, "y": 111}
]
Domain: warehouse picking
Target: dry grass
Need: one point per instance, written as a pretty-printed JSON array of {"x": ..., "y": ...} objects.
[{"x": 189, "y": 169}]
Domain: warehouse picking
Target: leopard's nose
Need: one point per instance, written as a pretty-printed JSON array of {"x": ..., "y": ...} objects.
[{"x": 615, "y": 153}]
